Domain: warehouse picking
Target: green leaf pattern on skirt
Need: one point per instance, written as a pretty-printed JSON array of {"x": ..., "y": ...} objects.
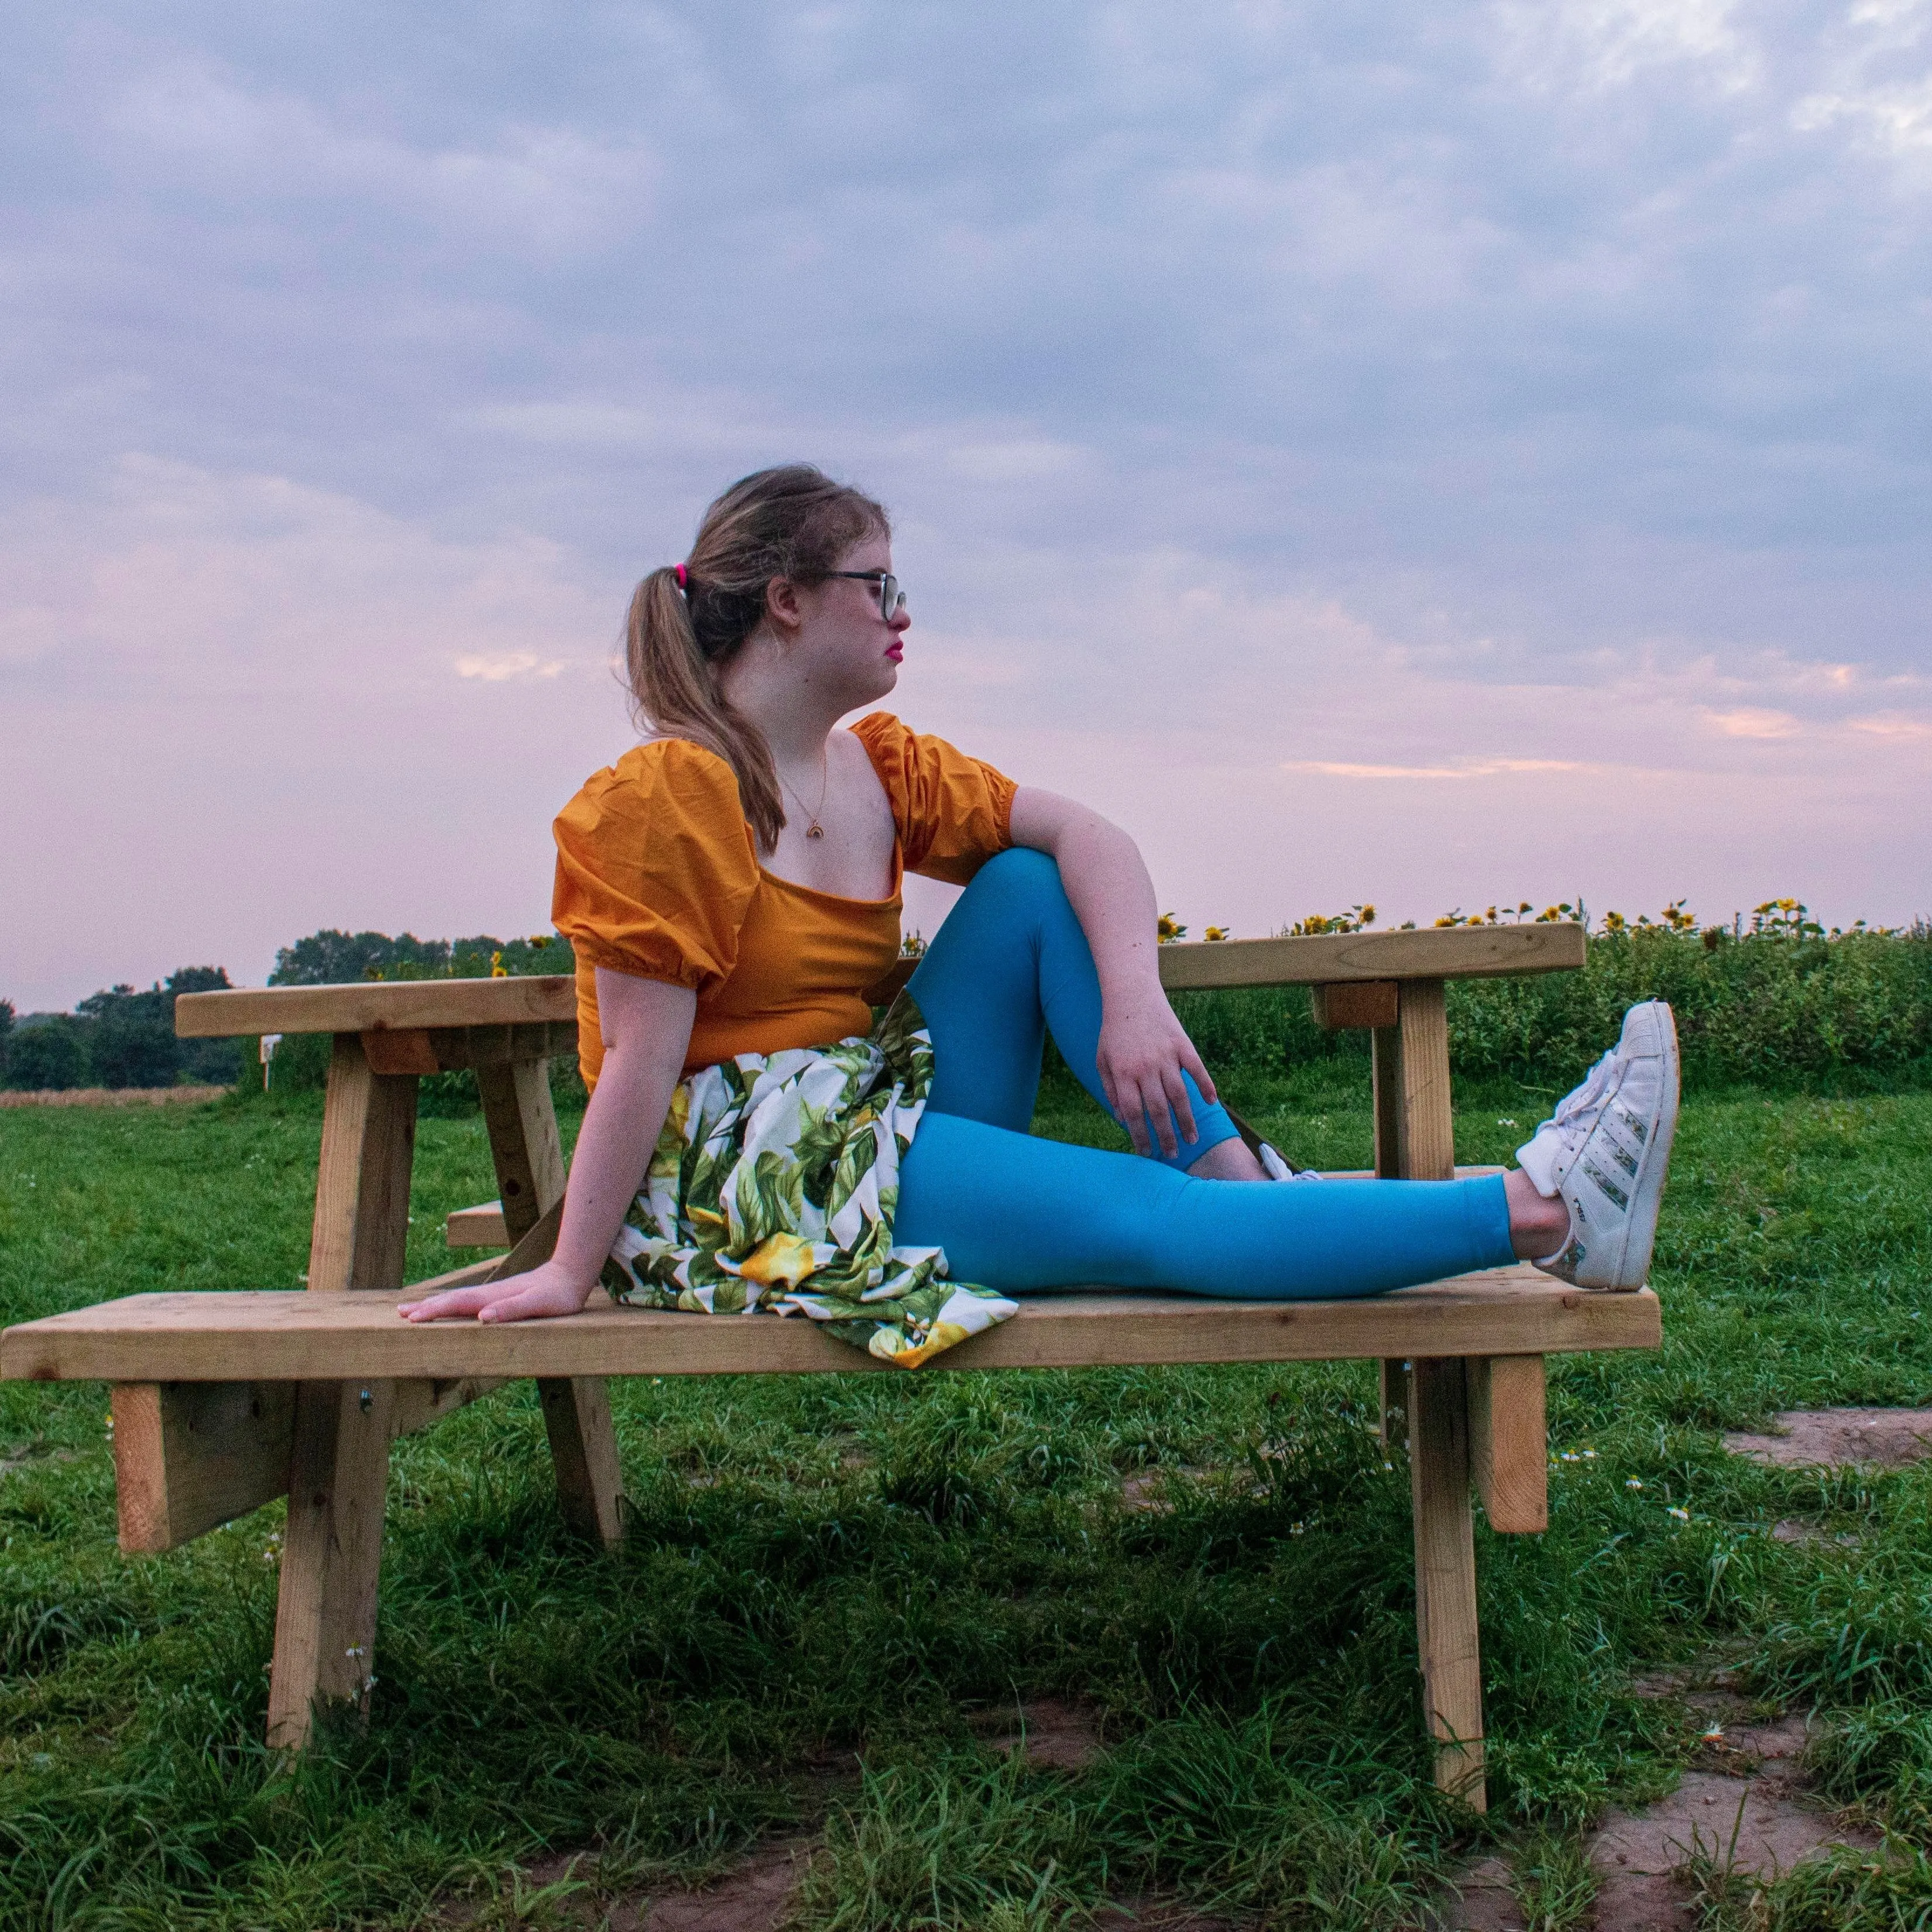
[{"x": 774, "y": 1187}]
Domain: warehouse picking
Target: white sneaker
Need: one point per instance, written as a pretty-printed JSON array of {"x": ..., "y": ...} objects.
[
  {"x": 1275, "y": 1168},
  {"x": 1606, "y": 1151}
]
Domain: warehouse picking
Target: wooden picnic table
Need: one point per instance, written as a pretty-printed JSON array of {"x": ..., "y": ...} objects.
[{"x": 224, "y": 1401}]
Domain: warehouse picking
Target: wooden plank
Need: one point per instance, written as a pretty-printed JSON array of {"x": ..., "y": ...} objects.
[
  {"x": 1393, "y": 1390},
  {"x": 1385, "y": 1063},
  {"x": 1454, "y": 953},
  {"x": 359, "y": 1007},
  {"x": 331, "y": 1555},
  {"x": 1459, "y": 952},
  {"x": 1419, "y": 1105},
  {"x": 288, "y": 1336},
  {"x": 524, "y": 1145},
  {"x": 362, "y": 1182},
  {"x": 583, "y": 1447},
  {"x": 406, "y": 1051},
  {"x": 1363, "y": 1002},
  {"x": 189, "y": 1457},
  {"x": 1447, "y": 1637},
  {"x": 457, "y": 1047},
  {"x": 478, "y": 1227},
  {"x": 1509, "y": 1443},
  {"x": 529, "y": 1158}
]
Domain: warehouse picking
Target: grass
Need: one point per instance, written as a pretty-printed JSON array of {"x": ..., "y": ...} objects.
[{"x": 827, "y": 1579}]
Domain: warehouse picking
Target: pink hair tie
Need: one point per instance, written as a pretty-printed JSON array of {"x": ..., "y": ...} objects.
[{"x": 682, "y": 575}]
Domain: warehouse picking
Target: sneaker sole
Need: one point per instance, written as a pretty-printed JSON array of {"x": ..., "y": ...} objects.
[{"x": 1639, "y": 1236}]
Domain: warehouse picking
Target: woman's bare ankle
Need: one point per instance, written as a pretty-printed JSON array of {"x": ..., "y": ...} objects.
[
  {"x": 1539, "y": 1223},
  {"x": 1228, "y": 1160}
]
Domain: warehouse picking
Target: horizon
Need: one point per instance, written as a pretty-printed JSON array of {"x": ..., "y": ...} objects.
[{"x": 1400, "y": 458}]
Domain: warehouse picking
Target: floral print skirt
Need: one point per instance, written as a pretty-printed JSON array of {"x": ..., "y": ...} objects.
[{"x": 773, "y": 1188}]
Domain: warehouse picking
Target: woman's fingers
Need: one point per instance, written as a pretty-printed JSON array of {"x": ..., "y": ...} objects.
[
  {"x": 1181, "y": 1108},
  {"x": 519, "y": 1299},
  {"x": 1196, "y": 1065},
  {"x": 452, "y": 1301}
]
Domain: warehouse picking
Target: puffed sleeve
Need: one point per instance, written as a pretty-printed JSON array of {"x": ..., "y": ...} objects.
[
  {"x": 655, "y": 868},
  {"x": 953, "y": 812}
]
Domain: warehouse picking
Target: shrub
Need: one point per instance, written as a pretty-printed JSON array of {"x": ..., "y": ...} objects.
[
  {"x": 1760, "y": 1007},
  {"x": 45, "y": 1055}
]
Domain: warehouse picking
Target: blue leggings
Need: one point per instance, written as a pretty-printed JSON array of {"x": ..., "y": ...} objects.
[{"x": 1028, "y": 1216}]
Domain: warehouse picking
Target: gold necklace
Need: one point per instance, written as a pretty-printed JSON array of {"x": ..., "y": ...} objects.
[{"x": 815, "y": 829}]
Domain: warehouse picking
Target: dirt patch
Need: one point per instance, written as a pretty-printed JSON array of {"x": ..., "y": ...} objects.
[
  {"x": 753, "y": 1898},
  {"x": 1795, "y": 1529},
  {"x": 1836, "y": 1437},
  {"x": 1745, "y": 1804},
  {"x": 1482, "y": 1898},
  {"x": 1054, "y": 1735},
  {"x": 114, "y": 1097},
  {"x": 1155, "y": 1913}
]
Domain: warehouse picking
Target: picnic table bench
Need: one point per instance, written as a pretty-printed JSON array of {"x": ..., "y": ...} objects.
[{"x": 222, "y": 1402}]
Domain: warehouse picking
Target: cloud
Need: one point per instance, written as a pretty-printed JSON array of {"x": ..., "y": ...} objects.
[
  {"x": 1473, "y": 768},
  {"x": 1752, "y": 722},
  {"x": 1263, "y": 394}
]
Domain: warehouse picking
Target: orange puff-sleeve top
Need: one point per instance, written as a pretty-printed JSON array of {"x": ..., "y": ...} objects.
[{"x": 658, "y": 875}]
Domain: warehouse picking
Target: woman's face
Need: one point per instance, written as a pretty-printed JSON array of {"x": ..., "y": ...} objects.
[{"x": 844, "y": 644}]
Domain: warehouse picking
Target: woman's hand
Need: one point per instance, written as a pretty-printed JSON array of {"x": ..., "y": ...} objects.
[
  {"x": 549, "y": 1289},
  {"x": 1143, "y": 1050},
  {"x": 1142, "y": 1053},
  {"x": 646, "y": 1028}
]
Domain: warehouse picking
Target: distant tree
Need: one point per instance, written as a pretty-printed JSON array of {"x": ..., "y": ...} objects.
[
  {"x": 49, "y": 1054},
  {"x": 130, "y": 1040},
  {"x": 6, "y": 1028},
  {"x": 330, "y": 958},
  {"x": 209, "y": 1063}
]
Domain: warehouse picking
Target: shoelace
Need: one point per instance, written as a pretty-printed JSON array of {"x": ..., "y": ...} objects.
[{"x": 1585, "y": 1102}]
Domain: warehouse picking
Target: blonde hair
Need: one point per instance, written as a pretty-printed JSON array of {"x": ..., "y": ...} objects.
[{"x": 793, "y": 522}]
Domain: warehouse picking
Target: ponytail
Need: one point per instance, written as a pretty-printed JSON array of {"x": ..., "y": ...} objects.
[
  {"x": 676, "y": 692},
  {"x": 687, "y": 621}
]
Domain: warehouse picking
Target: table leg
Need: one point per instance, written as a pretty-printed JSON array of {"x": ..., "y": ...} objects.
[
  {"x": 1445, "y": 1576},
  {"x": 529, "y": 1158}
]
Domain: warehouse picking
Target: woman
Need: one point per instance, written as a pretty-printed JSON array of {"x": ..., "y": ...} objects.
[{"x": 732, "y": 888}]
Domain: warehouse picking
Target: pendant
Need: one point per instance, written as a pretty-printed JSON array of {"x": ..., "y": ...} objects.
[{"x": 815, "y": 830}]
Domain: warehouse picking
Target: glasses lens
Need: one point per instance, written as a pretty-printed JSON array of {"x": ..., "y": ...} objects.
[{"x": 891, "y": 597}]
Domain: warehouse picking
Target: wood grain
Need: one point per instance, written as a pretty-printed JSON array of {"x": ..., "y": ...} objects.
[
  {"x": 331, "y": 1555},
  {"x": 478, "y": 1227},
  {"x": 1457, "y": 952},
  {"x": 524, "y": 1145},
  {"x": 1424, "y": 1125},
  {"x": 364, "y": 1005},
  {"x": 290, "y": 1336},
  {"x": 189, "y": 1457},
  {"x": 362, "y": 1180},
  {"x": 584, "y": 1447},
  {"x": 404, "y": 1050},
  {"x": 1509, "y": 1443},
  {"x": 1446, "y": 1635},
  {"x": 529, "y": 1158},
  {"x": 1460, "y": 952},
  {"x": 1362, "y": 1002}
]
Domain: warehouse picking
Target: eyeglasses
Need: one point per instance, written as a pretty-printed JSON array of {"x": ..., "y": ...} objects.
[{"x": 892, "y": 598}]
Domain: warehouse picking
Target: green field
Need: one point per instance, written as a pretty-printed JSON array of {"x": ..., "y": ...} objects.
[{"x": 827, "y": 1580}]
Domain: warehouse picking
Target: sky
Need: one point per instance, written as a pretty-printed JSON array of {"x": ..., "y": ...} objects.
[{"x": 1431, "y": 453}]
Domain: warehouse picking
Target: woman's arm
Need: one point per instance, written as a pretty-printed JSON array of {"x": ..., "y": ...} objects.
[
  {"x": 646, "y": 1027},
  {"x": 1143, "y": 1047}
]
